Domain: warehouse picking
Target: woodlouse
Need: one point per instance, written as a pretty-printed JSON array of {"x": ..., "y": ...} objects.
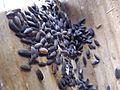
[
  {"x": 25, "y": 67},
  {"x": 17, "y": 21},
  {"x": 117, "y": 72},
  {"x": 49, "y": 32},
  {"x": 39, "y": 74},
  {"x": 42, "y": 64},
  {"x": 24, "y": 52},
  {"x": 97, "y": 43},
  {"x": 13, "y": 26},
  {"x": 84, "y": 61},
  {"x": 43, "y": 51}
]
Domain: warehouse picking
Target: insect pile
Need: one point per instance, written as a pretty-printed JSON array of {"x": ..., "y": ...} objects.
[{"x": 50, "y": 33}]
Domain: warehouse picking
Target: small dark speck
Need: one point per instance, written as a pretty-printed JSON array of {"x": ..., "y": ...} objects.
[
  {"x": 114, "y": 58},
  {"x": 75, "y": 70}
]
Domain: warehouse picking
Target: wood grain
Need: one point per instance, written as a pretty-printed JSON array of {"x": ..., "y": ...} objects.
[
  {"x": 97, "y": 12},
  {"x": 11, "y": 76}
]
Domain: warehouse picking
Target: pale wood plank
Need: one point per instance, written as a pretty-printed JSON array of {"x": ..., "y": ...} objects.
[{"x": 108, "y": 35}]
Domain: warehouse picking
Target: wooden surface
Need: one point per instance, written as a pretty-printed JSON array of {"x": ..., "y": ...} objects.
[
  {"x": 106, "y": 13},
  {"x": 97, "y": 12},
  {"x": 11, "y": 77}
]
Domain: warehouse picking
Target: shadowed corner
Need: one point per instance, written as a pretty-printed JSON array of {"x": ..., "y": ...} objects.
[{"x": 71, "y": 11}]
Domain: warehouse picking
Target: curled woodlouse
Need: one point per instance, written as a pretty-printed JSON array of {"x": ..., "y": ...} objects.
[{"x": 39, "y": 74}]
